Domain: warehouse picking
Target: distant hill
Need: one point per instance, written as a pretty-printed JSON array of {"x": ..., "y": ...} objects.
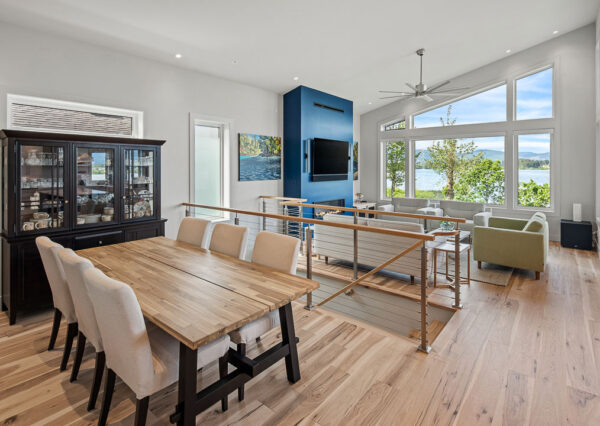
[{"x": 423, "y": 155}]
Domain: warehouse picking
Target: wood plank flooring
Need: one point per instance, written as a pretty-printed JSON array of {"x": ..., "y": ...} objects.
[{"x": 528, "y": 353}]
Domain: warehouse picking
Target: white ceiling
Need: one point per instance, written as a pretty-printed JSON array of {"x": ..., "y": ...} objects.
[{"x": 351, "y": 48}]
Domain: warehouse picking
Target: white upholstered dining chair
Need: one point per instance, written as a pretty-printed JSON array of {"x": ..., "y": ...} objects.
[
  {"x": 194, "y": 230},
  {"x": 147, "y": 360},
  {"x": 229, "y": 239},
  {"x": 74, "y": 267},
  {"x": 61, "y": 296},
  {"x": 278, "y": 252}
]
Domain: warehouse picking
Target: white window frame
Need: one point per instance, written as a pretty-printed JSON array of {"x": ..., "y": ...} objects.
[
  {"x": 544, "y": 67},
  {"x": 226, "y": 130},
  {"x": 137, "y": 117},
  {"x": 475, "y": 92},
  {"x": 553, "y": 177},
  {"x": 509, "y": 128}
]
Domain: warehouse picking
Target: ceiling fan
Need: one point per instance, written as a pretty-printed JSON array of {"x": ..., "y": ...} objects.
[{"x": 421, "y": 90}]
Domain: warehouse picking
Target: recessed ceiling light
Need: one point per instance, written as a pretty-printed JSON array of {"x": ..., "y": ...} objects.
[
  {"x": 370, "y": 103},
  {"x": 235, "y": 61},
  {"x": 508, "y": 51},
  {"x": 555, "y": 32},
  {"x": 296, "y": 78},
  {"x": 178, "y": 55}
]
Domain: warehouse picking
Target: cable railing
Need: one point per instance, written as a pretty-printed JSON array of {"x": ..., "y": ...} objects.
[{"x": 348, "y": 237}]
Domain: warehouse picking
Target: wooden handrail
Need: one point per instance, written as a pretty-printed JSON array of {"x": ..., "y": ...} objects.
[
  {"x": 275, "y": 197},
  {"x": 375, "y": 212},
  {"x": 387, "y": 231}
]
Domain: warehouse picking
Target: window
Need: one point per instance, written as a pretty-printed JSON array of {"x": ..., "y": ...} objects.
[
  {"x": 534, "y": 170},
  {"x": 396, "y": 125},
  {"x": 467, "y": 169},
  {"x": 209, "y": 172},
  {"x": 534, "y": 96},
  {"x": 50, "y": 115},
  {"x": 395, "y": 166},
  {"x": 484, "y": 107}
]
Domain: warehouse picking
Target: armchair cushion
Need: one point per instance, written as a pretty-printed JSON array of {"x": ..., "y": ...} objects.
[
  {"x": 535, "y": 224},
  {"x": 507, "y": 223}
]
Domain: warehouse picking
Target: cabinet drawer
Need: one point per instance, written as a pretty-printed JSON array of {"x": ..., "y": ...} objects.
[{"x": 95, "y": 240}]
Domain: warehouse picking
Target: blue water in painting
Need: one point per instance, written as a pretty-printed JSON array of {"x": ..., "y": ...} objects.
[{"x": 260, "y": 168}]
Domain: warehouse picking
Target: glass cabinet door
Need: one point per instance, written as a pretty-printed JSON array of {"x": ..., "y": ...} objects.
[
  {"x": 95, "y": 171},
  {"x": 42, "y": 187},
  {"x": 138, "y": 184}
]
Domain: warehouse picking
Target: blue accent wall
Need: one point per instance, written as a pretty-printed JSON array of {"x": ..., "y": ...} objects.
[{"x": 304, "y": 121}]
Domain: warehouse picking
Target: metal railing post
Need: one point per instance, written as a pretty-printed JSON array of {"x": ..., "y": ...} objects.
[
  {"x": 424, "y": 346},
  {"x": 187, "y": 211},
  {"x": 308, "y": 236},
  {"x": 457, "y": 302},
  {"x": 236, "y": 220},
  {"x": 300, "y": 227},
  {"x": 285, "y": 222},
  {"x": 264, "y": 219},
  {"x": 355, "y": 262}
]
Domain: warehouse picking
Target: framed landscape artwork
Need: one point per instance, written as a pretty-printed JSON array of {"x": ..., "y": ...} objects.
[
  {"x": 355, "y": 160},
  {"x": 259, "y": 157}
]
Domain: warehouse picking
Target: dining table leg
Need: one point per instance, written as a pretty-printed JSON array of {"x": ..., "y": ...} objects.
[
  {"x": 288, "y": 337},
  {"x": 188, "y": 370}
]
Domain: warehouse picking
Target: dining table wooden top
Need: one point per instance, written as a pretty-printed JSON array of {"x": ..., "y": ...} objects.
[{"x": 193, "y": 294}]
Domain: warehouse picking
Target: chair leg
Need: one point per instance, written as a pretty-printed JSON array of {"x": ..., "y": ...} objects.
[
  {"x": 141, "y": 411},
  {"x": 326, "y": 260},
  {"x": 109, "y": 388},
  {"x": 71, "y": 333},
  {"x": 258, "y": 339},
  {"x": 98, "y": 372},
  {"x": 241, "y": 349},
  {"x": 78, "y": 356},
  {"x": 223, "y": 369},
  {"x": 479, "y": 264},
  {"x": 55, "y": 327},
  {"x": 537, "y": 275}
]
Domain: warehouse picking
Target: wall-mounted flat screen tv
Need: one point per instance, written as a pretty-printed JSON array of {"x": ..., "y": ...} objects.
[{"x": 330, "y": 159}]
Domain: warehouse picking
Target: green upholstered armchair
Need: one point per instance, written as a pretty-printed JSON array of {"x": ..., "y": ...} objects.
[{"x": 513, "y": 242}]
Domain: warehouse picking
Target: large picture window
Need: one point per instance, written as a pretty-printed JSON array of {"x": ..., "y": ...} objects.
[
  {"x": 484, "y": 107},
  {"x": 534, "y": 170},
  {"x": 534, "y": 96},
  {"x": 395, "y": 168},
  {"x": 479, "y": 148},
  {"x": 466, "y": 169}
]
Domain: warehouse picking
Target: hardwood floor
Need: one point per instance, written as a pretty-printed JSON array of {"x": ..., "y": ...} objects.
[{"x": 528, "y": 353}]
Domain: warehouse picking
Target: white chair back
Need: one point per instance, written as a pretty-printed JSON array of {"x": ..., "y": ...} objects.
[
  {"x": 74, "y": 267},
  {"x": 193, "y": 230},
  {"x": 123, "y": 331},
  {"x": 229, "y": 239},
  {"x": 276, "y": 251},
  {"x": 61, "y": 295}
]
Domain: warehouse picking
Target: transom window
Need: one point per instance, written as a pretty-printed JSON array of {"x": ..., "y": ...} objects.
[
  {"x": 534, "y": 96},
  {"x": 483, "y": 107},
  {"x": 396, "y": 125}
]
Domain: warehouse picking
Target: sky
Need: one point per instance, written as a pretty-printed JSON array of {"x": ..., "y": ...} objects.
[{"x": 533, "y": 100}]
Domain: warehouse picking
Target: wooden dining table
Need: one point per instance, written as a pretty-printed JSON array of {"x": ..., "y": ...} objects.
[{"x": 198, "y": 296}]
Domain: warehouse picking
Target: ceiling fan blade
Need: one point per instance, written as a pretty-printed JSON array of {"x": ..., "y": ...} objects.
[
  {"x": 455, "y": 90},
  {"x": 397, "y": 96},
  {"x": 445, "y": 93},
  {"x": 411, "y": 86},
  {"x": 427, "y": 98},
  {"x": 391, "y": 91},
  {"x": 437, "y": 86}
]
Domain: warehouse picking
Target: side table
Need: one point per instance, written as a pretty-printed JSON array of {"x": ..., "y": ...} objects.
[{"x": 449, "y": 248}]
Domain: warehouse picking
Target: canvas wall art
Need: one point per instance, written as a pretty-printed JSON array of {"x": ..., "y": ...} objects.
[{"x": 259, "y": 157}]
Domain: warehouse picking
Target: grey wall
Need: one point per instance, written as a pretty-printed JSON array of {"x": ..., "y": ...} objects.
[
  {"x": 573, "y": 56},
  {"x": 49, "y": 66}
]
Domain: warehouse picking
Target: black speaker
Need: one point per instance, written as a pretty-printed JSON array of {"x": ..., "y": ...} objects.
[{"x": 576, "y": 234}]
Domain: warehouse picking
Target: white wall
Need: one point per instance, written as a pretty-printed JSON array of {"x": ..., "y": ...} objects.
[
  {"x": 573, "y": 56},
  {"x": 49, "y": 66}
]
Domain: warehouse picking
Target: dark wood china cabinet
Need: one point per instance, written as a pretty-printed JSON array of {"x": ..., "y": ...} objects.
[{"x": 81, "y": 191}]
